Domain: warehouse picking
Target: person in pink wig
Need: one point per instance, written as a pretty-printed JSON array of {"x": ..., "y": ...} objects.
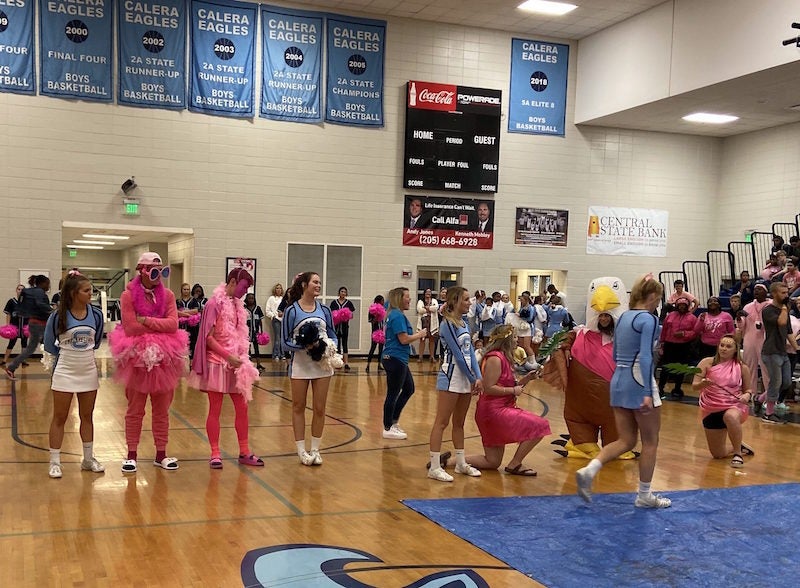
[
  {"x": 221, "y": 365},
  {"x": 150, "y": 356}
]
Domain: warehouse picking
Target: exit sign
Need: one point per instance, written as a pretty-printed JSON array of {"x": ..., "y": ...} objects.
[
  {"x": 73, "y": 253},
  {"x": 131, "y": 206}
]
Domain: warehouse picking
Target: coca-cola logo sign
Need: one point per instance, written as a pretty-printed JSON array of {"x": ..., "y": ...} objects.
[{"x": 440, "y": 97}]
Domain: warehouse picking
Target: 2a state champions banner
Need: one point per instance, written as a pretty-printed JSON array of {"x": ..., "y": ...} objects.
[
  {"x": 538, "y": 98},
  {"x": 223, "y": 52},
  {"x": 627, "y": 231},
  {"x": 76, "y": 48},
  {"x": 16, "y": 46},
  {"x": 291, "y": 64},
  {"x": 430, "y": 221},
  {"x": 355, "y": 71},
  {"x": 152, "y": 53}
]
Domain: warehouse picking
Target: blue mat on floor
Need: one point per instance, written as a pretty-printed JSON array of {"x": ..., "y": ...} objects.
[{"x": 720, "y": 537}]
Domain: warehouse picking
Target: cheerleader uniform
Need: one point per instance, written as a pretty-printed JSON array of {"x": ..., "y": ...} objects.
[
  {"x": 459, "y": 369},
  {"x": 301, "y": 366},
  {"x": 635, "y": 337},
  {"x": 343, "y": 328},
  {"x": 75, "y": 369},
  {"x": 254, "y": 323},
  {"x": 12, "y": 310}
]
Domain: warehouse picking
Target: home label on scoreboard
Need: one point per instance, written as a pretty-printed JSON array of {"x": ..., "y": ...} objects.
[{"x": 452, "y": 137}]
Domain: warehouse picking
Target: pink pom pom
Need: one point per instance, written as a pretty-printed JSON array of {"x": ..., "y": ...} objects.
[
  {"x": 342, "y": 315},
  {"x": 9, "y": 332},
  {"x": 26, "y": 332},
  {"x": 377, "y": 311},
  {"x": 183, "y": 320},
  {"x": 379, "y": 337},
  {"x": 194, "y": 319},
  {"x": 262, "y": 339}
]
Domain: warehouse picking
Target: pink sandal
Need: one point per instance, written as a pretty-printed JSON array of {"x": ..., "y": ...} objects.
[
  {"x": 251, "y": 460},
  {"x": 215, "y": 463}
]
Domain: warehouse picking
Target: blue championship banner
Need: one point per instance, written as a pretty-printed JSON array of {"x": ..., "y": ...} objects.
[
  {"x": 223, "y": 52},
  {"x": 355, "y": 71},
  {"x": 16, "y": 46},
  {"x": 152, "y": 53},
  {"x": 538, "y": 101},
  {"x": 291, "y": 64},
  {"x": 76, "y": 48}
]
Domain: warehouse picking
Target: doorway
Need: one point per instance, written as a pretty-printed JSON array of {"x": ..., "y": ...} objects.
[{"x": 436, "y": 278}]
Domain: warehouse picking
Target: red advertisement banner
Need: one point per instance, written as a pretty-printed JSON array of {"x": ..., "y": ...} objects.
[
  {"x": 432, "y": 96},
  {"x": 430, "y": 221}
]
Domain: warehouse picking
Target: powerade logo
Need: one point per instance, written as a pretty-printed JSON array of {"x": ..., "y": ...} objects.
[{"x": 478, "y": 99}]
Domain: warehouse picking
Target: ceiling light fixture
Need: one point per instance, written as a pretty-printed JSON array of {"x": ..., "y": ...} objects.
[
  {"x": 707, "y": 117},
  {"x": 547, "y": 7},
  {"x": 115, "y": 237},
  {"x": 85, "y": 242},
  {"x": 71, "y": 246}
]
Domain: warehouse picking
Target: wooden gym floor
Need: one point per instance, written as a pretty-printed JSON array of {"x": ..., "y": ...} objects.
[{"x": 193, "y": 527}]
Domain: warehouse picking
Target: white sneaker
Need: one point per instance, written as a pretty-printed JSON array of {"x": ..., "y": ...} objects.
[
  {"x": 652, "y": 501},
  {"x": 55, "y": 470},
  {"x": 306, "y": 459},
  {"x": 397, "y": 427},
  {"x": 584, "y": 482},
  {"x": 93, "y": 465},
  {"x": 394, "y": 433},
  {"x": 468, "y": 470},
  {"x": 316, "y": 457},
  {"x": 440, "y": 474}
]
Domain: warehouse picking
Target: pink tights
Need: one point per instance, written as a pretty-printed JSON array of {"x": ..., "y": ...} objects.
[{"x": 241, "y": 423}]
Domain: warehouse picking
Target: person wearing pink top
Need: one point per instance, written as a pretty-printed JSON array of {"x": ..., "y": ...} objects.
[
  {"x": 791, "y": 276},
  {"x": 725, "y": 394},
  {"x": 677, "y": 334},
  {"x": 681, "y": 293},
  {"x": 751, "y": 330},
  {"x": 712, "y": 325},
  {"x": 772, "y": 268}
]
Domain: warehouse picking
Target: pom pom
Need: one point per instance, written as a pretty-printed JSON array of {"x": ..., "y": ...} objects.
[
  {"x": 525, "y": 312},
  {"x": 308, "y": 334},
  {"x": 342, "y": 315},
  {"x": 318, "y": 350},
  {"x": 262, "y": 339},
  {"x": 9, "y": 332},
  {"x": 379, "y": 337},
  {"x": 48, "y": 361},
  {"x": 26, "y": 331},
  {"x": 377, "y": 311},
  {"x": 194, "y": 319},
  {"x": 183, "y": 320}
]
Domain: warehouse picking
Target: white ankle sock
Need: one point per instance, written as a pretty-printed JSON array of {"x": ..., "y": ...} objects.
[
  {"x": 301, "y": 447},
  {"x": 315, "y": 443},
  {"x": 55, "y": 456},
  {"x": 644, "y": 488},
  {"x": 435, "y": 456},
  {"x": 88, "y": 451},
  {"x": 594, "y": 467},
  {"x": 460, "y": 457}
]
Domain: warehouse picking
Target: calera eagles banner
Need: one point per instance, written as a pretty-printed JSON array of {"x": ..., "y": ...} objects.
[
  {"x": 16, "y": 41},
  {"x": 458, "y": 223},
  {"x": 223, "y": 50}
]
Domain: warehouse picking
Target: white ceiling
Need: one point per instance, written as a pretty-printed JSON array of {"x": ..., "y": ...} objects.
[
  {"x": 138, "y": 235},
  {"x": 761, "y": 100}
]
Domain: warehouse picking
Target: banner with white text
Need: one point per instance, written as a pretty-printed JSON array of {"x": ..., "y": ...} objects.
[
  {"x": 75, "y": 51},
  {"x": 354, "y": 93},
  {"x": 291, "y": 69},
  {"x": 152, "y": 53},
  {"x": 627, "y": 231},
  {"x": 222, "y": 59},
  {"x": 431, "y": 221},
  {"x": 16, "y": 44},
  {"x": 538, "y": 99}
]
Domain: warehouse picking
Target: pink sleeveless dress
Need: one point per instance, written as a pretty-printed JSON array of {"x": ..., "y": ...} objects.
[{"x": 722, "y": 394}]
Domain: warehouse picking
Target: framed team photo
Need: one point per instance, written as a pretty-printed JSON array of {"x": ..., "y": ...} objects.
[{"x": 248, "y": 263}]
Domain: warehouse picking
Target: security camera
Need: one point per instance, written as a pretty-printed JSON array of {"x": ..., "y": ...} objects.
[{"x": 128, "y": 185}]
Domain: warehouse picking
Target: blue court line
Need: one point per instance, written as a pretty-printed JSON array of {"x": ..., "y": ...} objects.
[{"x": 250, "y": 474}]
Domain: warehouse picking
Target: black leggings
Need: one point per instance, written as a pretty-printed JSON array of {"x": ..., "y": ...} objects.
[
  {"x": 342, "y": 331},
  {"x": 372, "y": 347},
  {"x": 399, "y": 388}
]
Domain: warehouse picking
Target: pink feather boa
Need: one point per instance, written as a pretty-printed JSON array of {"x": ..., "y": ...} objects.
[{"x": 140, "y": 303}]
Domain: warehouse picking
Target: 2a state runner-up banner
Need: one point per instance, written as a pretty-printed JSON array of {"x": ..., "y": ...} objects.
[
  {"x": 291, "y": 64},
  {"x": 223, "y": 50},
  {"x": 627, "y": 231},
  {"x": 430, "y": 221},
  {"x": 538, "y": 100},
  {"x": 152, "y": 53},
  {"x": 355, "y": 71},
  {"x": 76, "y": 49},
  {"x": 16, "y": 42}
]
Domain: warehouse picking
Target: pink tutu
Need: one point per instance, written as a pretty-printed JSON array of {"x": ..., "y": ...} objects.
[
  {"x": 149, "y": 363},
  {"x": 222, "y": 378}
]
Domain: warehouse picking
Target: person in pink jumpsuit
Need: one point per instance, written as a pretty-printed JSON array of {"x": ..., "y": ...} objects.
[
  {"x": 150, "y": 357},
  {"x": 751, "y": 329}
]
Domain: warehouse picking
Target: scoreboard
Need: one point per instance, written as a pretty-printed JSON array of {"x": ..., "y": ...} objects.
[{"x": 452, "y": 138}]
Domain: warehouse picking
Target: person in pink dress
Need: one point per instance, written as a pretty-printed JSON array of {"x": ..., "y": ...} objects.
[
  {"x": 712, "y": 325},
  {"x": 725, "y": 394},
  {"x": 221, "y": 365},
  {"x": 751, "y": 333},
  {"x": 499, "y": 419}
]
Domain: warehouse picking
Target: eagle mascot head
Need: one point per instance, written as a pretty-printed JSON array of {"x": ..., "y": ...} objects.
[{"x": 606, "y": 295}]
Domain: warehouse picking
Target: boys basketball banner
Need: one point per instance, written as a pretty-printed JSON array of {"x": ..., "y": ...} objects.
[
  {"x": 76, "y": 49},
  {"x": 538, "y": 101},
  {"x": 223, "y": 50},
  {"x": 16, "y": 41},
  {"x": 457, "y": 223},
  {"x": 355, "y": 71},
  {"x": 152, "y": 53},
  {"x": 627, "y": 231},
  {"x": 291, "y": 64}
]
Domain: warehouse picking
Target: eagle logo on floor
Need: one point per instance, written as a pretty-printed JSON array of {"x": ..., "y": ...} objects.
[{"x": 322, "y": 566}]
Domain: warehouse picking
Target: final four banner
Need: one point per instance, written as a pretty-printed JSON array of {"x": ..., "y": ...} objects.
[
  {"x": 355, "y": 71},
  {"x": 223, "y": 51},
  {"x": 16, "y": 46},
  {"x": 76, "y": 48},
  {"x": 538, "y": 101},
  {"x": 152, "y": 53},
  {"x": 291, "y": 68}
]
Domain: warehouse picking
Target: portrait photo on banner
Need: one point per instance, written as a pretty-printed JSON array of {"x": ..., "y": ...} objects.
[
  {"x": 247, "y": 263},
  {"x": 541, "y": 227}
]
